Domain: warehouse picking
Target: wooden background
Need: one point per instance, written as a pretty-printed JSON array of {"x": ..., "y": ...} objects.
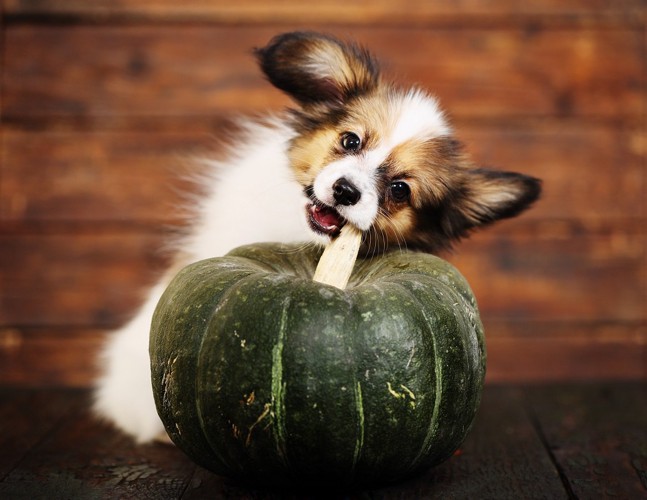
[{"x": 103, "y": 102}]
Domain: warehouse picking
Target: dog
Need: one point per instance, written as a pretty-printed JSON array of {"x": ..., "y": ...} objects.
[{"x": 356, "y": 149}]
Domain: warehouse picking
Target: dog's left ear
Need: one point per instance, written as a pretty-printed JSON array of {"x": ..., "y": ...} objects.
[
  {"x": 491, "y": 195},
  {"x": 317, "y": 69}
]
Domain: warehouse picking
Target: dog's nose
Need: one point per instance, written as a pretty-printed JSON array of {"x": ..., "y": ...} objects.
[{"x": 345, "y": 193}]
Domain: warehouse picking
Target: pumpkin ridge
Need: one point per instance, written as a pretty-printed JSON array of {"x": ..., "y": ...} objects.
[
  {"x": 219, "y": 305},
  {"x": 470, "y": 341},
  {"x": 280, "y": 258},
  {"x": 462, "y": 302},
  {"x": 194, "y": 277},
  {"x": 438, "y": 392},
  {"x": 230, "y": 294},
  {"x": 278, "y": 386},
  {"x": 359, "y": 443}
]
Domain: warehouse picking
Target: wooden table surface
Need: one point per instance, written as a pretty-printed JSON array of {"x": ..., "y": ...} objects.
[{"x": 557, "y": 441}]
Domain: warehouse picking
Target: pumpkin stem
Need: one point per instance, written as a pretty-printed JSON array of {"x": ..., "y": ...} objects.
[{"x": 338, "y": 259}]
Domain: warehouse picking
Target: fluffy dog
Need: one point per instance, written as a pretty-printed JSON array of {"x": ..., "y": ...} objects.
[{"x": 357, "y": 149}]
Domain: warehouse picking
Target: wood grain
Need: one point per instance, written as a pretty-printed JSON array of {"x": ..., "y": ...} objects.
[
  {"x": 83, "y": 459},
  {"x": 519, "y": 457},
  {"x": 596, "y": 435},
  {"x": 566, "y": 351},
  {"x": 143, "y": 175},
  {"x": 557, "y": 441},
  {"x": 589, "y": 171},
  {"x": 50, "y": 357},
  {"x": 105, "y": 71},
  {"x": 76, "y": 279},
  {"x": 553, "y": 276},
  {"x": 363, "y": 12},
  {"x": 101, "y": 176},
  {"x": 24, "y": 427},
  {"x": 90, "y": 279}
]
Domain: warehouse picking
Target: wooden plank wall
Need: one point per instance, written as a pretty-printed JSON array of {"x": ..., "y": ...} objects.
[{"x": 103, "y": 102}]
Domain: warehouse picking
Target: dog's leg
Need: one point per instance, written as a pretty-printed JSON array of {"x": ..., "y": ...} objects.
[{"x": 124, "y": 395}]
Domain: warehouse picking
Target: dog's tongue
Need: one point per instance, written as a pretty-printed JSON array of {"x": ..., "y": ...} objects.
[{"x": 327, "y": 217}]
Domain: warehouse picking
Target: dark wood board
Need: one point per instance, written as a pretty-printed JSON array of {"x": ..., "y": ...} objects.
[
  {"x": 535, "y": 442},
  {"x": 84, "y": 459},
  {"x": 27, "y": 418},
  {"x": 100, "y": 72},
  {"x": 550, "y": 352},
  {"x": 553, "y": 275},
  {"x": 90, "y": 278},
  {"x": 101, "y": 177},
  {"x": 51, "y": 357},
  {"x": 501, "y": 12},
  {"x": 77, "y": 279},
  {"x": 597, "y": 436},
  {"x": 140, "y": 175}
]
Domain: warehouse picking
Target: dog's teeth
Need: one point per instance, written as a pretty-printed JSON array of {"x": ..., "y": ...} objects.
[{"x": 325, "y": 219}]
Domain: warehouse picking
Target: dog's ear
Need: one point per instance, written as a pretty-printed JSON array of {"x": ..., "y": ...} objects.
[
  {"x": 490, "y": 195},
  {"x": 317, "y": 69},
  {"x": 477, "y": 198}
]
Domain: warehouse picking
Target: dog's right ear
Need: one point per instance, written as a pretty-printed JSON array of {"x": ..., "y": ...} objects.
[{"x": 317, "y": 69}]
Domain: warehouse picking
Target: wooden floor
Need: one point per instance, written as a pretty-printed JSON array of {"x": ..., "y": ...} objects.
[{"x": 567, "y": 441}]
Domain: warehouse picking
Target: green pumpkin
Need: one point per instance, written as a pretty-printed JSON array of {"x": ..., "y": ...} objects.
[{"x": 262, "y": 375}]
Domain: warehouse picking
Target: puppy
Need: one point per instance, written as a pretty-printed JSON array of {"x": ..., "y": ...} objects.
[{"x": 356, "y": 150}]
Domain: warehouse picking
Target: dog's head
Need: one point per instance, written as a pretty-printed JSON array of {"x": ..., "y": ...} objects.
[{"x": 378, "y": 156}]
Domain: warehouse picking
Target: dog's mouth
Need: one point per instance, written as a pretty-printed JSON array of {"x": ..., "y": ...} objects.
[{"x": 324, "y": 219}]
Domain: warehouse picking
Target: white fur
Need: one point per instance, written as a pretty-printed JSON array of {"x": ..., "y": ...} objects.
[
  {"x": 360, "y": 172},
  {"x": 253, "y": 198},
  {"x": 417, "y": 116}
]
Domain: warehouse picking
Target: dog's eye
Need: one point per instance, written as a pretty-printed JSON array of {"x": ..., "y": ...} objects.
[
  {"x": 400, "y": 191},
  {"x": 350, "y": 141}
]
